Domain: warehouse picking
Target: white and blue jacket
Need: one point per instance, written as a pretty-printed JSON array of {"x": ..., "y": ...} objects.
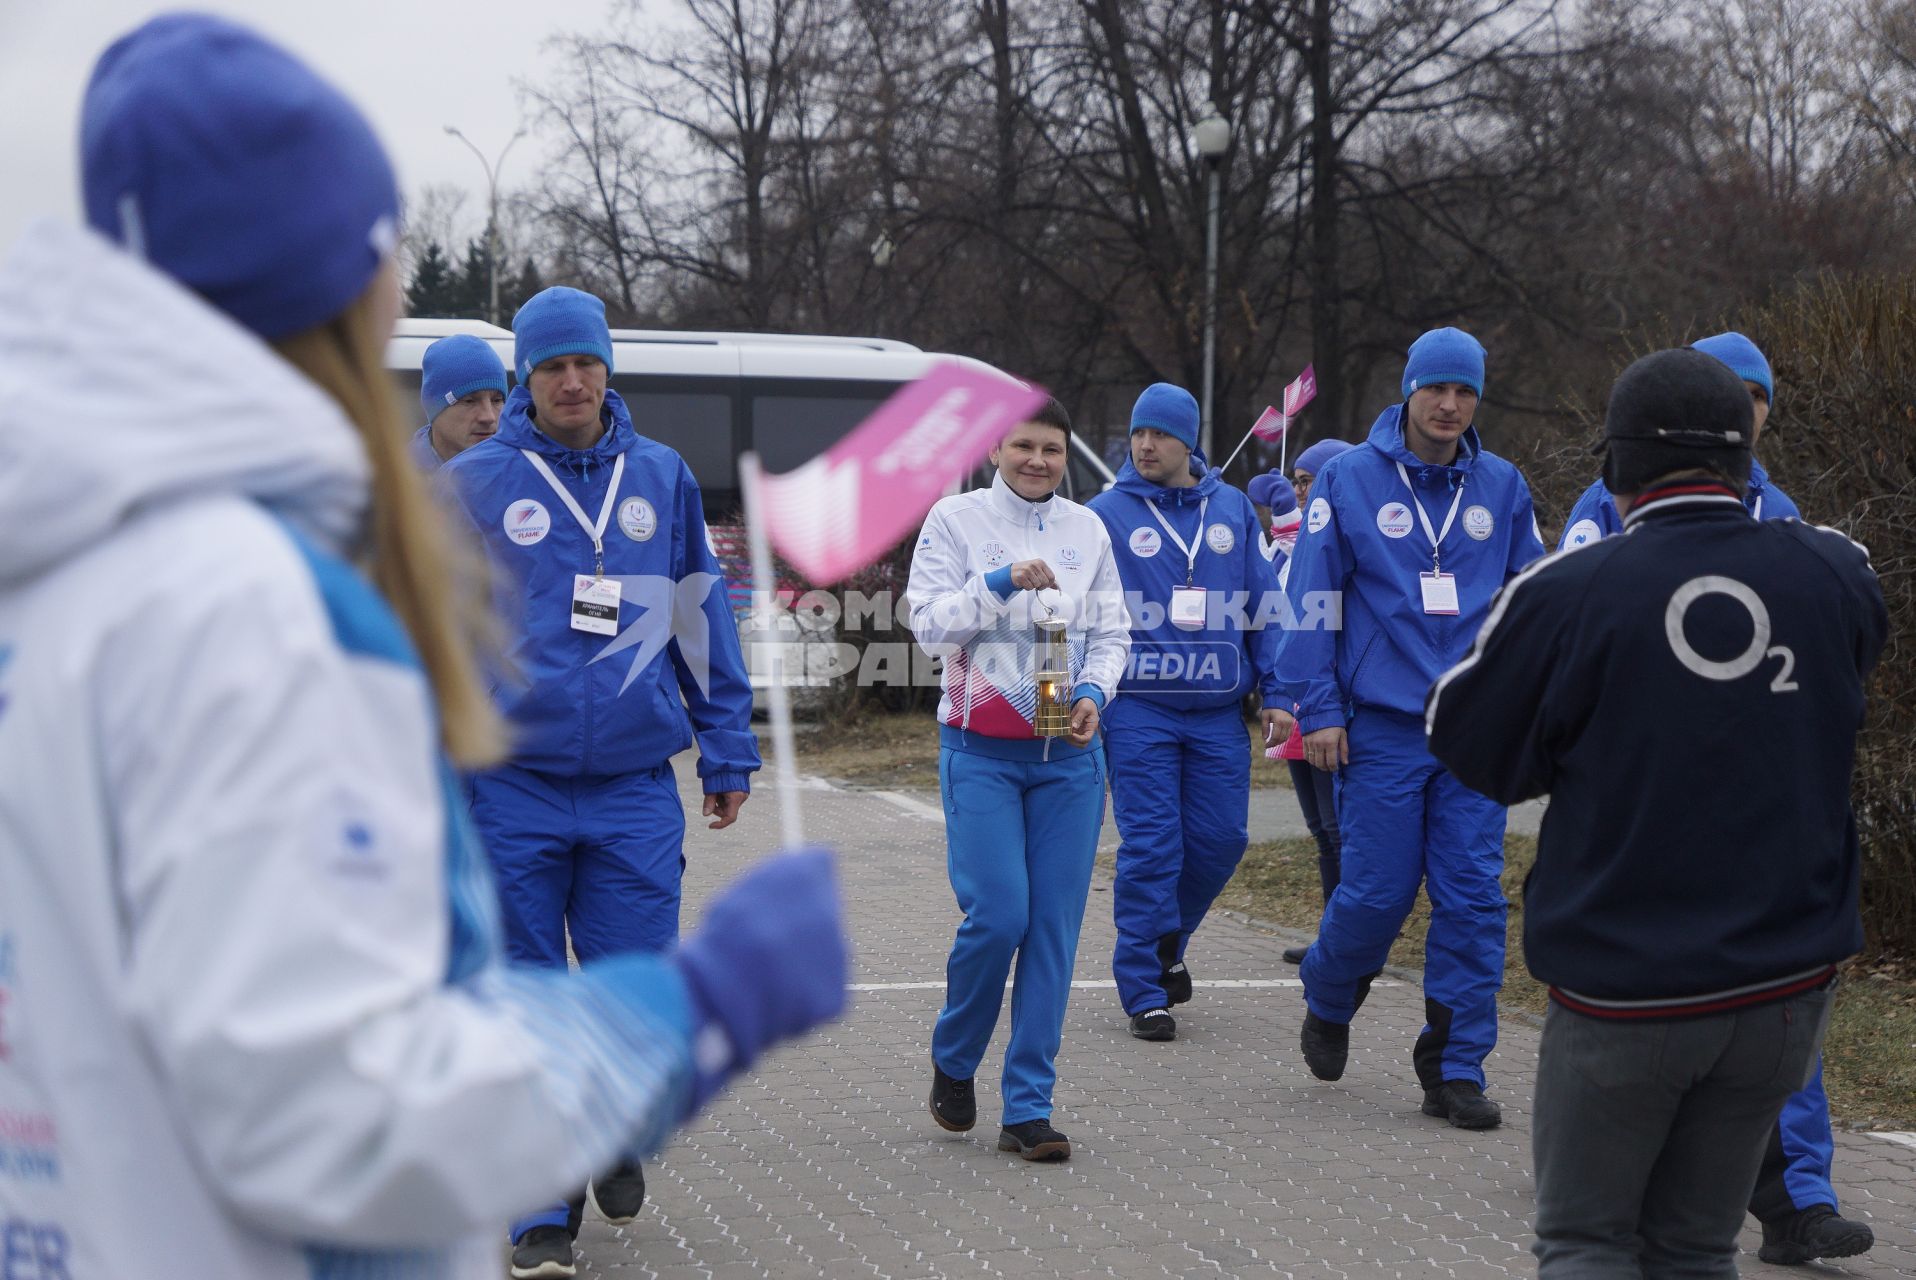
[
  {"x": 674, "y": 669},
  {"x": 1359, "y": 636},
  {"x": 251, "y": 995},
  {"x": 1595, "y": 515},
  {"x": 1235, "y": 651}
]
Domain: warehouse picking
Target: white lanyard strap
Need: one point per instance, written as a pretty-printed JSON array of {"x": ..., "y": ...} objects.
[
  {"x": 1188, "y": 548},
  {"x": 594, "y": 531},
  {"x": 1436, "y": 537}
]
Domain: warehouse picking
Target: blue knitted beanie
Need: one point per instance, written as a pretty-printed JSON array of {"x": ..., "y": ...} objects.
[
  {"x": 1170, "y": 409},
  {"x": 559, "y": 322},
  {"x": 1312, "y": 460},
  {"x": 229, "y": 165},
  {"x": 1743, "y": 357},
  {"x": 453, "y": 368},
  {"x": 1445, "y": 355},
  {"x": 1269, "y": 489}
]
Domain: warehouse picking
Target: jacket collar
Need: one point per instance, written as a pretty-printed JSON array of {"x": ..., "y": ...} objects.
[
  {"x": 1129, "y": 481},
  {"x": 1006, "y": 502},
  {"x": 1684, "y": 496},
  {"x": 517, "y": 429},
  {"x": 1387, "y": 437}
]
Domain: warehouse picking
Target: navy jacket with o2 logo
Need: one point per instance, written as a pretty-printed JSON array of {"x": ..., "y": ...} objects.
[{"x": 1688, "y": 694}]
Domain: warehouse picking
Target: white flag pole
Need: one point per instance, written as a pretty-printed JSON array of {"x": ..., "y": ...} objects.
[
  {"x": 1233, "y": 458},
  {"x": 791, "y": 824}
]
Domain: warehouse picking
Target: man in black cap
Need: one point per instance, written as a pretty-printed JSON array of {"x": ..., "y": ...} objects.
[{"x": 1694, "y": 889}]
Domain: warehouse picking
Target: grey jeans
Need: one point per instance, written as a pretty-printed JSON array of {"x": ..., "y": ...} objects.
[{"x": 1647, "y": 1135}]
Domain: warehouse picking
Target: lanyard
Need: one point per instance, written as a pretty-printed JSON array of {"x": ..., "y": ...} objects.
[
  {"x": 594, "y": 531},
  {"x": 1435, "y": 537},
  {"x": 1188, "y": 548}
]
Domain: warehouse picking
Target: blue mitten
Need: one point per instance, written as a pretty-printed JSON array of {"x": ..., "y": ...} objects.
[{"x": 767, "y": 963}]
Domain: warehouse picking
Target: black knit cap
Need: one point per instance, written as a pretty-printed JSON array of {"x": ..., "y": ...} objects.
[{"x": 1674, "y": 411}]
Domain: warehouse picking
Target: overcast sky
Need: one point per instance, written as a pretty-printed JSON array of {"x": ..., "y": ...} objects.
[{"x": 414, "y": 66}]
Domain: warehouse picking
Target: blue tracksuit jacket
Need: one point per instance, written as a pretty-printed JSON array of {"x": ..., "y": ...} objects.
[
  {"x": 1595, "y": 515},
  {"x": 674, "y": 670}
]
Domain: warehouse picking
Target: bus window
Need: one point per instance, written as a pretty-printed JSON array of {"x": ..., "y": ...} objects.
[
  {"x": 697, "y": 423},
  {"x": 790, "y": 430}
]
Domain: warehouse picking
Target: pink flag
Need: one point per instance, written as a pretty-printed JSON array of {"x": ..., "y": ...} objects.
[
  {"x": 1270, "y": 425},
  {"x": 1302, "y": 391},
  {"x": 841, "y": 510}
]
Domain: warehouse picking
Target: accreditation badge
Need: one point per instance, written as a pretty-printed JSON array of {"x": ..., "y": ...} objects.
[
  {"x": 1440, "y": 592},
  {"x": 1187, "y": 608},
  {"x": 595, "y": 604}
]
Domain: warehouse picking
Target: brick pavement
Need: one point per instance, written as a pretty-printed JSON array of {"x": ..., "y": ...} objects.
[{"x": 1216, "y": 1155}]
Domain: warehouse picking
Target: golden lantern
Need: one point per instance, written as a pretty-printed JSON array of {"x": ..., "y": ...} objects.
[{"x": 1053, "y": 676}]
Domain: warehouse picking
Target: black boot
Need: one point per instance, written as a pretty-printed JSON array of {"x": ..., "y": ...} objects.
[
  {"x": 1326, "y": 1045},
  {"x": 953, "y": 1104},
  {"x": 1815, "y": 1232},
  {"x": 1034, "y": 1140},
  {"x": 1463, "y": 1104}
]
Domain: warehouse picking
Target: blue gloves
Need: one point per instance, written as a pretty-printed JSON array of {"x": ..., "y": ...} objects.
[{"x": 768, "y": 963}]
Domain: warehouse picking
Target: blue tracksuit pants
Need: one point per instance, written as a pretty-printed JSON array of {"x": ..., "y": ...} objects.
[
  {"x": 1406, "y": 821},
  {"x": 1020, "y": 837},
  {"x": 599, "y": 858},
  {"x": 1795, "y": 1173},
  {"x": 1181, "y": 793}
]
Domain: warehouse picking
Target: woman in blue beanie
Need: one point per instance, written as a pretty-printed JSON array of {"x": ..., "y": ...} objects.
[{"x": 248, "y": 949}]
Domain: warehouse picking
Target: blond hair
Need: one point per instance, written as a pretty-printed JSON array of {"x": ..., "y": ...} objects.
[{"x": 437, "y": 593}]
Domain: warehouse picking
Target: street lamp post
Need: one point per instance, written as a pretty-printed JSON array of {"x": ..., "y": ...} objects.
[
  {"x": 1213, "y": 138},
  {"x": 492, "y": 214}
]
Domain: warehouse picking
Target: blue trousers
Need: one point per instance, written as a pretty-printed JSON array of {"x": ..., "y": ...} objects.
[
  {"x": 1020, "y": 837},
  {"x": 1407, "y": 821},
  {"x": 598, "y": 857},
  {"x": 1796, "y": 1168},
  {"x": 1181, "y": 792}
]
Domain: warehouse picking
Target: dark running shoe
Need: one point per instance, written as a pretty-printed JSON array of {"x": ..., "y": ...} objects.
[
  {"x": 953, "y": 1104},
  {"x": 1463, "y": 1104},
  {"x": 1154, "y": 1024},
  {"x": 620, "y": 1194},
  {"x": 1816, "y": 1232},
  {"x": 1326, "y": 1045},
  {"x": 543, "y": 1253},
  {"x": 1295, "y": 955},
  {"x": 1035, "y": 1140}
]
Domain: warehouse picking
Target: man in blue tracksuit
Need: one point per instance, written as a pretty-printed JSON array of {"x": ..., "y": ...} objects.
[
  {"x": 1595, "y": 515},
  {"x": 1795, "y": 1198},
  {"x": 462, "y": 391},
  {"x": 1195, "y": 578},
  {"x": 1406, "y": 538},
  {"x": 598, "y": 536}
]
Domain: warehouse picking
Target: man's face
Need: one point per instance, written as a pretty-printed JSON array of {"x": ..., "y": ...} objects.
[
  {"x": 467, "y": 421},
  {"x": 1031, "y": 459},
  {"x": 1440, "y": 412},
  {"x": 1159, "y": 456},
  {"x": 567, "y": 391},
  {"x": 1760, "y": 402}
]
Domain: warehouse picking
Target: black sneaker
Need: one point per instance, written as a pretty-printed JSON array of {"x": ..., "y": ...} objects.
[
  {"x": 1326, "y": 1045},
  {"x": 1463, "y": 1104},
  {"x": 1154, "y": 1024},
  {"x": 1035, "y": 1140},
  {"x": 953, "y": 1105},
  {"x": 1816, "y": 1232},
  {"x": 543, "y": 1253},
  {"x": 620, "y": 1194},
  {"x": 1175, "y": 979},
  {"x": 1295, "y": 955}
]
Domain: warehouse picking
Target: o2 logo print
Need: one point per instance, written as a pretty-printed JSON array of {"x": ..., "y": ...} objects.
[{"x": 1751, "y": 658}]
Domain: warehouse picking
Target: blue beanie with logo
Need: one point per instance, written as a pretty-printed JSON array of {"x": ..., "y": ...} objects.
[
  {"x": 559, "y": 322},
  {"x": 1312, "y": 460},
  {"x": 229, "y": 165},
  {"x": 453, "y": 368},
  {"x": 1270, "y": 489},
  {"x": 1744, "y": 358},
  {"x": 1445, "y": 355},
  {"x": 1171, "y": 409}
]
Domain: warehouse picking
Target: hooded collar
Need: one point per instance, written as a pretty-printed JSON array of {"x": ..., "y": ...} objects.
[
  {"x": 1387, "y": 437},
  {"x": 1129, "y": 481},
  {"x": 121, "y": 390},
  {"x": 517, "y": 429}
]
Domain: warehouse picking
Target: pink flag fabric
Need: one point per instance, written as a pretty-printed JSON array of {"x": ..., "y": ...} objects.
[
  {"x": 846, "y": 507},
  {"x": 1270, "y": 425},
  {"x": 1301, "y": 391}
]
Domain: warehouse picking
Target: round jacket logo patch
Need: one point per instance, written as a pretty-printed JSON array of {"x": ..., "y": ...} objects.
[
  {"x": 1219, "y": 538},
  {"x": 1393, "y": 520},
  {"x": 1145, "y": 543},
  {"x": 1070, "y": 558},
  {"x": 527, "y": 522},
  {"x": 1478, "y": 522},
  {"x": 1320, "y": 515},
  {"x": 637, "y": 520},
  {"x": 993, "y": 553},
  {"x": 1583, "y": 533}
]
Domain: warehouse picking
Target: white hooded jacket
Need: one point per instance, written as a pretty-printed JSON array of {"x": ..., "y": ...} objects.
[{"x": 252, "y": 1018}]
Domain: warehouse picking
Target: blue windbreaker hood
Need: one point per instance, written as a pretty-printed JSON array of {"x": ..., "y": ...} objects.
[
  {"x": 1387, "y": 437},
  {"x": 1129, "y": 481},
  {"x": 518, "y": 430}
]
